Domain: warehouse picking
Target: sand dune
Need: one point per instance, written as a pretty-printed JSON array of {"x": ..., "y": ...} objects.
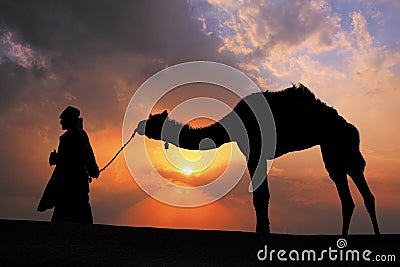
[{"x": 34, "y": 243}]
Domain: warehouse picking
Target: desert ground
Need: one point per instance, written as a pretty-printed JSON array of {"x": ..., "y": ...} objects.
[{"x": 38, "y": 243}]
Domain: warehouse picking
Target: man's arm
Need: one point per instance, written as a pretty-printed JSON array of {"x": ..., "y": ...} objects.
[
  {"x": 88, "y": 156},
  {"x": 53, "y": 158}
]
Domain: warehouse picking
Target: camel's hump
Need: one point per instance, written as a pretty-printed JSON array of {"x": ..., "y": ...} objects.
[
  {"x": 291, "y": 104},
  {"x": 295, "y": 96}
]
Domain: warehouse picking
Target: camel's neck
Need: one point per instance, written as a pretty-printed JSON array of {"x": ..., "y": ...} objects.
[{"x": 184, "y": 136}]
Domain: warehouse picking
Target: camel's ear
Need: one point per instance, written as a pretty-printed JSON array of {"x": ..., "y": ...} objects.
[{"x": 164, "y": 113}]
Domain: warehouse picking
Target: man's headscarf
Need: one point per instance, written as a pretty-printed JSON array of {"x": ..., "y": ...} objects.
[{"x": 70, "y": 113}]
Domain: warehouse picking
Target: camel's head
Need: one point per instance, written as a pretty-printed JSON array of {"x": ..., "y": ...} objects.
[{"x": 153, "y": 125}]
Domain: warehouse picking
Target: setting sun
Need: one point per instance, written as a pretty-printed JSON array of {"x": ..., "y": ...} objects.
[
  {"x": 177, "y": 164},
  {"x": 187, "y": 170}
]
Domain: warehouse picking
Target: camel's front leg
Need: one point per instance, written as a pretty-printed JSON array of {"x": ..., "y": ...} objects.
[
  {"x": 334, "y": 165},
  {"x": 261, "y": 201},
  {"x": 342, "y": 186},
  {"x": 261, "y": 194}
]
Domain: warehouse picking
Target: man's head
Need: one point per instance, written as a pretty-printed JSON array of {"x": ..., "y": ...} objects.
[{"x": 69, "y": 117}]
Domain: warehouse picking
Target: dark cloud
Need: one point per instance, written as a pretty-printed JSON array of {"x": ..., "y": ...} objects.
[
  {"x": 292, "y": 22},
  {"x": 84, "y": 43},
  {"x": 13, "y": 77},
  {"x": 161, "y": 28}
]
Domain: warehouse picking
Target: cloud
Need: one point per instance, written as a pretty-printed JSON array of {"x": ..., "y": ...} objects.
[
  {"x": 259, "y": 28},
  {"x": 278, "y": 42},
  {"x": 360, "y": 31},
  {"x": 20, "y": 53}
]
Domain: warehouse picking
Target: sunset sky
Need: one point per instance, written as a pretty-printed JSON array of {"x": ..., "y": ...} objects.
[{"x": 95, "y": 55}]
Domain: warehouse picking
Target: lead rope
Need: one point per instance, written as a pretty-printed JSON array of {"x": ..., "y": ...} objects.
[
  {"x": 116, "y": 154},
  {"x": 166, "y": 146},
  {"x": 119, "y": 151}
]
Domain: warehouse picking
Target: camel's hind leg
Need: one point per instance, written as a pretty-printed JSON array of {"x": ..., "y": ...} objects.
[{"x": 369, "y": 199}]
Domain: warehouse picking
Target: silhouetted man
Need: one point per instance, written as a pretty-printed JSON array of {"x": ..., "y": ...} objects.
[{"x": 68, "y": 188}]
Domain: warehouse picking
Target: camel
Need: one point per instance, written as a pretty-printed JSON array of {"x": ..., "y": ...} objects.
[{"x": 301, "y": 122}]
